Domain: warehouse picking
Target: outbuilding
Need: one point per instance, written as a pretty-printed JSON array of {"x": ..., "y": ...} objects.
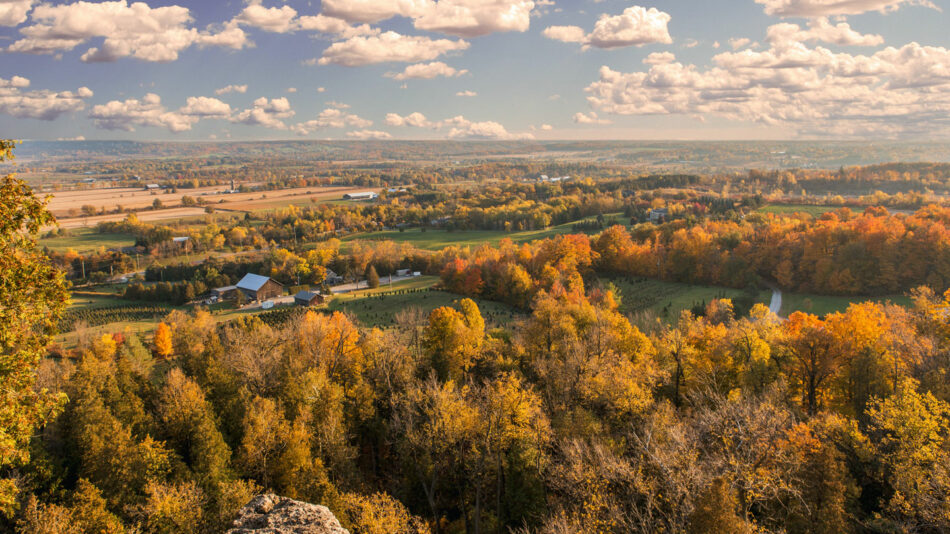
[
  {"x": 258, "y": 287},
  {"x": 308, "y": 298}
]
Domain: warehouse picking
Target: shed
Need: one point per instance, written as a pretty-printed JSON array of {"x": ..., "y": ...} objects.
[
  {"x": 308, "y": 298},
  {"x": 224, "y": 293},
  {"x": 258, "y": 287}
]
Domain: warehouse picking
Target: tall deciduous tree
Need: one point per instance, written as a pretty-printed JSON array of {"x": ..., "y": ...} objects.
[{"x": 32, "y": 297}]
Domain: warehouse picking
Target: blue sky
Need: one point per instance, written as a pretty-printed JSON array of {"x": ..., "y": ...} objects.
[{"x": 475, "y": 69}]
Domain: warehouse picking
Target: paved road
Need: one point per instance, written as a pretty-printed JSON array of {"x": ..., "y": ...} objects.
[{"x": 776, "y": 305}]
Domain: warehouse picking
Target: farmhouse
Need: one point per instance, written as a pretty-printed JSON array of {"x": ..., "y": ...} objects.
[
  {"x": 659, "y": 215},
  {"x": 361, "y": 195},
  {"x": 258, "y": 287},
  {"x": 308, "y": 298},
  {"x": 333, "y": 279}
]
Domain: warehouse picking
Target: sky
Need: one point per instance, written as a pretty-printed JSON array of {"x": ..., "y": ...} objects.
[{"x": 475, "y": 69}]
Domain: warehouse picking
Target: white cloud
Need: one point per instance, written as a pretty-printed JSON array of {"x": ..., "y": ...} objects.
[
  {"x": 266, "y": 113},
  {"x": 742, "y": 42},
  {"x": 823, "y": 8},
  {"x": 38, "y": 104},
  {"x": 136, "y": 30},
  {"x": 368, "y": 134},
  {"x": 636, "y": 26},
  {"x": 659, "y": 58},
  {"x": 821, "y": 30},
  {"x": 284, "y": 19},
  {"x": 332, "y": 117},
  {"x": 462, "y": 18},
  {"x": 427, "y": 71},
  {"x": 466, "y": 93},
  {"x": 459, "y": 127},
  {"x": 77, "y": 138},
  {"x": 206, "y": 107},
  {"x": 892, "y": 92},
  {"x": 416, "y": 120},
  {"x": 472, "y": 18},
  {"x": 321, "y": 89},
  {"x": 386, "y": 47},
  {"x": 231, "y": 89},
  {"x": 589, "y": 118},
  {"x": 126, "y": 115},
  {"x": 291, "y": 89},
  {"x": 13, "y": 12},
  {"x": 338, "y": 105}
]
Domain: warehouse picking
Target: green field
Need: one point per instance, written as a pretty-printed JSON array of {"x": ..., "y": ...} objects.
[
  {"x": 433, "y": 239},
  {"x": 810, "y": 209},
  {"x": 84, "y": 240},
  {"x": 665, "y": 300},
  {"x": 378, "y": 307},
  {"x": 822, "y": 305}
]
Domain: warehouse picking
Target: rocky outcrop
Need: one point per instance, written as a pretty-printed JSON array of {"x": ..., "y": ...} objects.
[{"x": 272, "y": 514}]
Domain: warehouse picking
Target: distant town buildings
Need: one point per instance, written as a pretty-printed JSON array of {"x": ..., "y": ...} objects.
[{"x": 659, "y": 215}]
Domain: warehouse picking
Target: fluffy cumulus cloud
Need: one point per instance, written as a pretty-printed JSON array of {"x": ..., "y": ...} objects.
[
  {"x": 231, "y": 89},
  {"x": 462, "y": 18},
  {"x": 13, "y": 12},
  {"x": 824, "y": 8},
  {"x": 457, "y": 127},
  {"x": 331, "y": 117},
  {"x": 46, "y": 105},
  {"x": 368, "y": 134},
  {"x": 891, "y": 92},
  {"x": 636, "y": 26},
  {"x": 205, "y": 107},
  {"x": 466, "y": 93},
  {"x": 388, "y": 47},
  {"x": 589, "y": 118},
  {"x": 128, "y": 30},
  {"x": 267, "y": 113},
  {"x": 127, "y": 114},
  {"x": 284, "y": 19},
  {"x": 427, "y": 71}
]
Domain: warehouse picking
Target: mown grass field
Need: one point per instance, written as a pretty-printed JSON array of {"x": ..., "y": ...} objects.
[
  {"x": 378, "y": 307},
  {"x": 822, "y": 305},
  {"x": 84, "y": 240},
  {"x": 434, "y": 239},
  {"x": 814, "y": 211},
  {"x": 666, "y": 300}
]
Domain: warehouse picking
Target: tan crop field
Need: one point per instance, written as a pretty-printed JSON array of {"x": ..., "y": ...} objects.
[{"x": 67, "y": 205}]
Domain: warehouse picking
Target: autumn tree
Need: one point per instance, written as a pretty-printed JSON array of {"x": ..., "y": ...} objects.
[
  {"x": 372, "y": 278},
  {"x": 162, "y": 340},
  {"x": 32, "y": 298}
]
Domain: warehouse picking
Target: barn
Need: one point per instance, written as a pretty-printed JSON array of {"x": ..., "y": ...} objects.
[
  {"x": 258, "y": 287},
  {"x": 308, "y": 298}
]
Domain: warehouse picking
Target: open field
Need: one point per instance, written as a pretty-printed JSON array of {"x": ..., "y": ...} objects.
[
  {"x": 666, "y": 300},
  {"x": 380, "y": 310},
  {"x": 66, "y": 204},
  {"x": 822, "y": 305},
  {"x": 84, "y": 240},
  {"x": 814, "y": 211},
  {"x": 438, "y": 239}
]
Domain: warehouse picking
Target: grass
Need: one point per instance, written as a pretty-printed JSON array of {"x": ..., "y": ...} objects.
[
  {"x": 378, "y": 308},
  {"x": 666, "y": 300},
  {"x": 810, "y": 209},
  {"x": 822, "y": 305},
  {"x": 85, "y": 240},
  {"x": 434, "y": 239}
]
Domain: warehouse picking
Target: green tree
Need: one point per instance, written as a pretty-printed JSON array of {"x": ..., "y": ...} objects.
[
  {"x": 372, "y": 278},
  {"x": 33, "y": 296}
]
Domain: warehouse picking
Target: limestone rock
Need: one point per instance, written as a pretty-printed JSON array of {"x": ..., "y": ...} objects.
[{"x": 272, "y": 514}]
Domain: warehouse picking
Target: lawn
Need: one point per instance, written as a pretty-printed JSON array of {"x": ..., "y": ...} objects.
[
  {"x": 822, "y": 305},
  {"x": 85, "y": 240},
  {"x": 810, "y": 209},
  {"x": 666, "y": 300},
  {"x": 378, "y": 307},
  {"x": 434, "y": 239}
]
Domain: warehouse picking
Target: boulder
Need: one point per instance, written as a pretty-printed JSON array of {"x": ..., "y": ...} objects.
[{"x": 272, "y": 514}]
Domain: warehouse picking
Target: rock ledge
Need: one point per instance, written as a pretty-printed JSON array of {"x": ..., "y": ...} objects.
[{"x": 272, "y": 514}]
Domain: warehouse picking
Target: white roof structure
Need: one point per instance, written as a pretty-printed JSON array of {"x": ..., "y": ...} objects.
[{"x": 252, "y": 282}]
